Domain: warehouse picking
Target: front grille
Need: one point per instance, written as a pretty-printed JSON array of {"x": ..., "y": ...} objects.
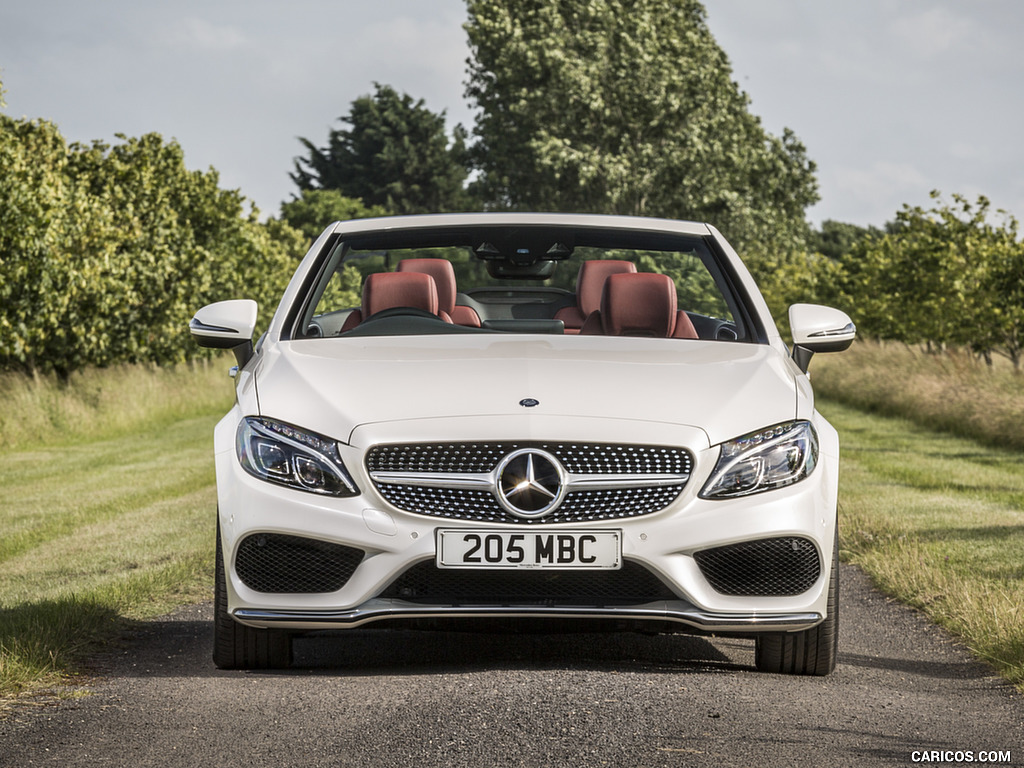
[
  {"x": 762, "y": 568},
  {"x": 271, "y": 562},
  {"x": 577, "y": 458},
  {"x": 631, "y": 585},
  {"x": 583, "y": 458}
]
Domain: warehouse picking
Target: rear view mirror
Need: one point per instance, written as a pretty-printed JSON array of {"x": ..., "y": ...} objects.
[
  {"x": 226, "y": 325},
  {"x": 818, "y": 329}
]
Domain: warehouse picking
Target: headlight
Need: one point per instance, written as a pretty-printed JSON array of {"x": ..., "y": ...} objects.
[
  {"x": 286, "y": 455},
  {"x": 764, "y": 460}
]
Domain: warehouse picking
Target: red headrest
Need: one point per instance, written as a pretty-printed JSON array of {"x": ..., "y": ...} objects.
[
  {"x": 590, "y": 281},
  {"x": 640, "y": 304},
  {"x": 444, "y": 278},
  {"x": 386, "y": 290}
]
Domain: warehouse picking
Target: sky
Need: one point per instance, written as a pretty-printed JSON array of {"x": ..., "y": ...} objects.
[{"x": 892, "y": 98}]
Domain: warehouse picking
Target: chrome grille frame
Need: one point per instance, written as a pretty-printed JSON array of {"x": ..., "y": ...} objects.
[{"x": 459, "y": 480}]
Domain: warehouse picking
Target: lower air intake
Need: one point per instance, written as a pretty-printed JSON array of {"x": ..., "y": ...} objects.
[
  {"x": 762, "y": 568},
  {"x": 631, "y": 585},
  {"x": 271, "y": 562}
]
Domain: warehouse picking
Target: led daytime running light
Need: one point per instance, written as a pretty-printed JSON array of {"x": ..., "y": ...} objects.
[{"x": 748, "y": 442}]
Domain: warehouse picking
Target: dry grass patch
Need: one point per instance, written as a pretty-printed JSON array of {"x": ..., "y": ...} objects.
[
  {"x": 94, "y": 403},
  {"x": 952, "y": 391}
]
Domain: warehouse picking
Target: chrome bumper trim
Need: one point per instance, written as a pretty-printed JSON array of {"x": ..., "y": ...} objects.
[{"x": 381, "y": 610}]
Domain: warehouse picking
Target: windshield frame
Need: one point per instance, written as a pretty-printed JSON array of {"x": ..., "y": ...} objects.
[{"x": 336, "y": 250}]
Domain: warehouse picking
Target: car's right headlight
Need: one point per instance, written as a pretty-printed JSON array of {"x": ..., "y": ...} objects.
[
  {"x": 764, "y": 460},
  {"x": 286, "y": 455}
]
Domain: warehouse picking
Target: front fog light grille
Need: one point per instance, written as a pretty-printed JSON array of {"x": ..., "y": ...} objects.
[
  {"x": 763, "y": 568},
  {"x": 271, "y": 562}
]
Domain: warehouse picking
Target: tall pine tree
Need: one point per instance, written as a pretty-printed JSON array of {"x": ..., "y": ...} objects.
[{"x": 395, "y": 153}]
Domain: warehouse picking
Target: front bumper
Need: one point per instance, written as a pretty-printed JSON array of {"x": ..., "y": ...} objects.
[{"x": 663, "y": 543}]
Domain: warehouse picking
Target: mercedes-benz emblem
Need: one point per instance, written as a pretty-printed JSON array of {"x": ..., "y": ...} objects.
[{"x": 531, "y": 482}]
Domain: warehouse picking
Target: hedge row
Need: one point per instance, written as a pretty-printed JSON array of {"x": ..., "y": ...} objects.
[{"x": 107, "y": 251}]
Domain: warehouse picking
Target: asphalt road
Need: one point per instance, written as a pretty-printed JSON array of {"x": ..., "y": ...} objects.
[{"x": 417, "y": 699}]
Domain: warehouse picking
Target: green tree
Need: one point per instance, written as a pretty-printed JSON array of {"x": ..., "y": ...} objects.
[
  {"x": 314, "y": 209},
  {"x": 943, "y": 275},
  {"x": 627, "y": 106},
  {"x": 33, "y": 213},
  {"x": 106, "y": 251},
  {"x": 395, "y": 153},
  {"x": 1006, "y": 287},
  {"x": 181, "y": 242},
  {"x": 835, "y": 239},
  {"x": 787, "y": 277}
]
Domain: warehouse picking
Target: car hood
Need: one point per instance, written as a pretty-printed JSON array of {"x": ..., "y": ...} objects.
[{"x": 334, "y": 386}]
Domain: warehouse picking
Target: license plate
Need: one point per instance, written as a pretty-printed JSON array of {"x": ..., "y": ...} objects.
[{"x": 565, "y": 550}]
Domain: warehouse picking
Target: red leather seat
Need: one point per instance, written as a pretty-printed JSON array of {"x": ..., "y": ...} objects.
[
  {"x": 639, "y": 304},
  {"x": 589, "y": 285},
  {"x": 389, "y": 290},
  {"x": 444, "y": 278}
]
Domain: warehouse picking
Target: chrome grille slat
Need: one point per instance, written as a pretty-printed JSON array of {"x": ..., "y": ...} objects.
[{"x": 451, "y": 480}]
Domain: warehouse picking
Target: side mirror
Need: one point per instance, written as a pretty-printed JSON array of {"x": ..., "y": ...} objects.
[
  {"x": 818, "y": 329},
  {"x": 226, "y": 325}
]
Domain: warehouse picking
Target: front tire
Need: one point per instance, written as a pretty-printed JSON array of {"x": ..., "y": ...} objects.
[
  {"x": 811, "y": 652},
  {"x": 236, "y": 646}
]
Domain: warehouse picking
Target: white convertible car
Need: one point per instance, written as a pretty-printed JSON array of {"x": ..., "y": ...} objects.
[{"x": 575, "y": 421}]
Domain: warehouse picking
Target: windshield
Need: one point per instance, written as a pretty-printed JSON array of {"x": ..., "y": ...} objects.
[{"x": 502, "y": 280}]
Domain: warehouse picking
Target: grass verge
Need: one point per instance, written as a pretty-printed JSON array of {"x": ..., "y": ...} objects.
[
  {"x": 937, "y": 521},
  {"x": 108, "y": 510},
  {"x": 39, "y": 410},
  {"x": 934, "y": 516}
]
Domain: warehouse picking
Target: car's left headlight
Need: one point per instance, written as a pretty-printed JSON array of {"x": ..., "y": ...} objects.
[
  {"x": 763, "y": 461},
  {"x": 286, "y": 455}
]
